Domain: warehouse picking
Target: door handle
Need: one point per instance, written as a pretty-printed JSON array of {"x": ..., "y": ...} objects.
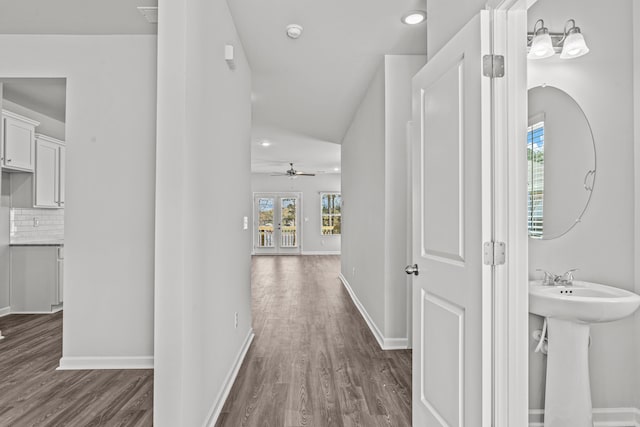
[{"x": 412, "y": 269}]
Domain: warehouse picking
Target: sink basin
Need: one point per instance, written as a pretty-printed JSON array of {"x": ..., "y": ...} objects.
[{"x": 582, "y": 302}]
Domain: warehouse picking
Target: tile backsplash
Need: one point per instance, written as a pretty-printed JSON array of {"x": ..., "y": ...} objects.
[{"x": 28, "y": 225}]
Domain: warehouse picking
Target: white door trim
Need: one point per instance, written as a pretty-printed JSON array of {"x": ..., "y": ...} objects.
[{"x": 511, "y": 299}]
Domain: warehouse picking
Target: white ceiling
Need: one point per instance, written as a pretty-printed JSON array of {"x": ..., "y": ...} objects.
[
  {"x": 305, "y": 91},
  {"x": 307, "y": 154},
  {"x": 46, "y": 96},
  {"x": 311, "y": 87}
]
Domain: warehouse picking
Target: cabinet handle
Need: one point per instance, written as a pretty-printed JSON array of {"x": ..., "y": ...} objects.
[{"x": 9, "y": 160}]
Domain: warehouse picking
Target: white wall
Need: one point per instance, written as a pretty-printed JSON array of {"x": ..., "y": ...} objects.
[
  {"x": 48, "y": 126},
  {"x": 363, "y": 195},
  {"x": 313, "y": 242},
  {"x": 203, "y": 192},
  {"x": 602, "y": 245},
  {"x": 5, "y": 260},
  {"x": 446, "y": 18},
  {"x": 375, "y": 194},
  {"x": 5, "y": 204},
  {"x": 636, "y": 113},
  {"x": 109, "y": 210},
  {"x": 398, "y": 69}
]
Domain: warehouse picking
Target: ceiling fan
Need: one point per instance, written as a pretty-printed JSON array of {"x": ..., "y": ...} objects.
[{"x": 292, "y": 173}]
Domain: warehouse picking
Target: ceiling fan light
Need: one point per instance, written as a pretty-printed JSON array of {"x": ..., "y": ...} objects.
[
  {"x": 574, "y": 46},
  {"x": 541, "y": 46}
]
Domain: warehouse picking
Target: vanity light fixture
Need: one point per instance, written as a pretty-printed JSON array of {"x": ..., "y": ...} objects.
[
  {"x": 543, "y": 44},
  {"x": 574, "y": 44},
  {"x": 414, "y": 17}
]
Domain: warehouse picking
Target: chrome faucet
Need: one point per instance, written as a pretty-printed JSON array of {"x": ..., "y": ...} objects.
[
  {"x": 566, "y": 279},
  {"x": 551, "y": 279}
]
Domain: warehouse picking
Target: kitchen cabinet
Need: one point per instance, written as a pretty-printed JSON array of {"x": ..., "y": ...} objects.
[
  {"x": 45, "y": 187},
  {"x": 48, "y": 187},
  {"x": 37, "y": 278},
  {"x": 18, "y": 142}
]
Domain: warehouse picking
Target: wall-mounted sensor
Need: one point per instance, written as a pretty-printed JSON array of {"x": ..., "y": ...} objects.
[{"x": 228, "y": 56}]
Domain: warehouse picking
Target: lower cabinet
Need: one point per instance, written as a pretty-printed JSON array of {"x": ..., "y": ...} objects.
[{"x": 36, "y": 278}]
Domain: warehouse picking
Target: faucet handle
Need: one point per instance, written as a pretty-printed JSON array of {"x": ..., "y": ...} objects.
[
  {"x": 568, "y": 275},
  {"x": 549, "y": 278}
]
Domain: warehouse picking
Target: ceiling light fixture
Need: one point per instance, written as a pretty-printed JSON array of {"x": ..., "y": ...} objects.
[
  {"x": 265, "y": 143},
  {"x": 294, "y": 31},
  {"x": 414, "y": 17},
  {"x": 543, "y": 44},
  {"x": 336, "y": 169}
]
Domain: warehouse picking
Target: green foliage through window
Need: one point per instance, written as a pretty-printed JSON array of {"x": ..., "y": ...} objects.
[{"x": 331, "y": 212}]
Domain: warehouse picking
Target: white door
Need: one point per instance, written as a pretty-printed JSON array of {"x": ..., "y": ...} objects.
[
  {"x": 277, "y": 230},
  {"x": 451, "y": 188}
]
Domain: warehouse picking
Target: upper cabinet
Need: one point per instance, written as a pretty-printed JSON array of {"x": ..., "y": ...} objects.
[
  {"x": 49, "y": 172},
  {"x": 18, "y": 142}
]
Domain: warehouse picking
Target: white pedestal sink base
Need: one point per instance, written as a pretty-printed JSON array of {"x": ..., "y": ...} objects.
[{"x": 568, "y": 393}]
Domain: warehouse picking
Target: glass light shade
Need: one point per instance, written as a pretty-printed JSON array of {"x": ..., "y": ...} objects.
[
  {"x": 574, "y": 46},
  {"x": 541, "y": 47}
]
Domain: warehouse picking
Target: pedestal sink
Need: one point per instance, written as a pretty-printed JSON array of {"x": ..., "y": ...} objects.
[{"x": 569, "y": 311}]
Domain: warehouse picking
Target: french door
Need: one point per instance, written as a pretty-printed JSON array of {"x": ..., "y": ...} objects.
[{"x": 277, "y": 228}]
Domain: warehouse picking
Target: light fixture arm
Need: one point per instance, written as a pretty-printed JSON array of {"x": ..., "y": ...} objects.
[{"x": 540, "y": 30}]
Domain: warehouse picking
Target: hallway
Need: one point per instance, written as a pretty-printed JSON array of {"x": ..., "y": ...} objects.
[{"x": 313, "y": 361}]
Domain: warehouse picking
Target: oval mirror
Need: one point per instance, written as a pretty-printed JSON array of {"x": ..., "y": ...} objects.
[{"x": 561, "y": 157}]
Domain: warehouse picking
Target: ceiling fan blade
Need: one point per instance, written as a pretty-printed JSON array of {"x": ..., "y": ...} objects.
[
  {"x": 305, "y": 174},
  {"x": 279, "y": 174}
]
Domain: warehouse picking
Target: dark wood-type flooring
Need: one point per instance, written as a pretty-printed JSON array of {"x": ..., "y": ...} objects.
[
  {"x": 313, "y": 361},
  {"x": 33, "y": 393}
]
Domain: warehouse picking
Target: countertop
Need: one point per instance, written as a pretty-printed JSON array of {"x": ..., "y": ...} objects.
[{"x": 39, "y": 243}]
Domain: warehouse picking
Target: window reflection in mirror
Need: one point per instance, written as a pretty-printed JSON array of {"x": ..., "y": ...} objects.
[
  {"x": 561, "y": 162},
  {"x": 535, "y": 179}
]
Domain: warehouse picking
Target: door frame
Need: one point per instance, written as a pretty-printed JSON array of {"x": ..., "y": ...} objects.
[
  {"x": 277, "y": 195},
  {"x": 510, "y": 295}
]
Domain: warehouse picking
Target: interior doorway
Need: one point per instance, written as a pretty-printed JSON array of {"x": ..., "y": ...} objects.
[{"x": 276, "y": 224}]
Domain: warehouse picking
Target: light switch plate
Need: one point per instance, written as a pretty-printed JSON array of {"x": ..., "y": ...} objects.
[{"x": 245, "y": 224}]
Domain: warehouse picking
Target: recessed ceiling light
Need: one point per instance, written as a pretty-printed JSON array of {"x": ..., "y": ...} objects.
[
  {"x": 414, "y": 17},
  {"x": 294, "y": 31},
  {"x": 336, "y": 169},
  {"x": 265, "y": 143}
]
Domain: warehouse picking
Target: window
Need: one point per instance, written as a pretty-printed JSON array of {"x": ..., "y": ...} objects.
[
  {"x": 331, "y": 213},
  {"x": 535, "y": 181}
]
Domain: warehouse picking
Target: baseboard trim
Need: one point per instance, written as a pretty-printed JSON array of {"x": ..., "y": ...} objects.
[
  {"x": 602, "y": 417},
  {"x": 5, "y": 311},
  {"x": 320, "y": 253},
  {"x": 71, "y": 363},
  {"x": 383, "y": 342},
  {"x": 215, "y": 410}
]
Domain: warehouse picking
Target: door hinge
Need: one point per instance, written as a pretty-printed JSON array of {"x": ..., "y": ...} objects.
[
  {"x": 493, "y": 66},
  {"x": 494, "y": 253}
]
